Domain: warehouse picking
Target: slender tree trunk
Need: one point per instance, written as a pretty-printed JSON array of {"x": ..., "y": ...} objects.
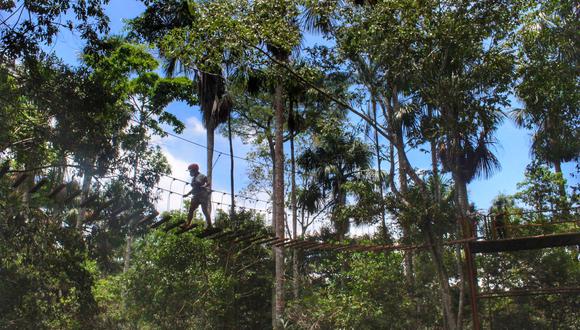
[
  {"x": 462, "y": 203},
  {"x": 378, "y": 152},
  {"x": 279, "y": 202},
  {"x": 233, "y": 208},
  {"x": 273, "y": 158},
  {"x": 295, "y": 268},
  {"x": 409, "y": 269},
  {"x": 434, "y": 161},
  {"x": 210, "y": 147},
  {"x": 463, "y": 223},
  {"x": 562, "y": 186},
  {"x": 461, "y": 273},
  {"x": 443, "y": 277},
  {"x": 558, "y": 167},
  {"x": 131, "y": 233},
  {"x": 86, "y": 188}
]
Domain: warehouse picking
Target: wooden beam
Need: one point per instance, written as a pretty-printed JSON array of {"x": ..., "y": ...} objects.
[
  {"x": 177, "y": 224},
  {"x": 89, "y": 200},
  {"x": 236, "y": 234},
  {"x": 266, "y": 240},
  {"x": 4, "y": 169},
  {"x": 38, "y": 185},
  {"x": 18, "y": 181},
  {"x": 245, "y": 237},
  {"x": 306, "y": 245},
  {"x": 260, "y": 237},
  {"x": 528, "y": 292},
  {"x": 279, "y": 240},
  {"x": 158, "y": 223},
  {"x": 222, "y": 234},
  {"x": 148, "y": 218},
  {"x": 290, "y": 241},
  {"x": 525, "y": 243},
  {"x": 72, "y": 196},
  {"x": 209, "y": 231},
  {"x": 101, "y": 208},
  {"x": 57, "y": 190}
]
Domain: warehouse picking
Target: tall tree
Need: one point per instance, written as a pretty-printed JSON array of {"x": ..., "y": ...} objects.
[
  {"x": 191, "y": 43},
  {"x": 548, "y": 86}
]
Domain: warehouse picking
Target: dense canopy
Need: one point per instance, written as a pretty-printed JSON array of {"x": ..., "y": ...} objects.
[{"x": 350, "y": 134}]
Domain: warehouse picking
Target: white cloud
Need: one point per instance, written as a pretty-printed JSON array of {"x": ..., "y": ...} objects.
[
  {"x": 194, "y": 126},
  {"x": 169, "y": 201}
]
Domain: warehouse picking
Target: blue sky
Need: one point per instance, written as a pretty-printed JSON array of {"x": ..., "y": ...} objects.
[{"x": 512, "y": 149}]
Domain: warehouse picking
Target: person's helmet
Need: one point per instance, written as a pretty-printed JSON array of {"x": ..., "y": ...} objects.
[{"x": 193, "y": 167}]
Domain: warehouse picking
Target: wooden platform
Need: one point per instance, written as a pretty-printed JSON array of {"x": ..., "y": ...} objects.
[{"x": 525, "y": 243}]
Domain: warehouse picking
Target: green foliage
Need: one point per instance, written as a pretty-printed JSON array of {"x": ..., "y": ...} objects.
[
  {"x": 199, "y": 283},
  {"x": 45, "y": 274},
  {"x": 360, "y": 291},
  {"x": 548, "y": 87},
  {"x": 556, "y": 267},
  {"x": 541, "y": 189},
  {"x": 338, "y": 162},
  {"x": 29, "y": 25},
  {"x": 439, "y": 72}
]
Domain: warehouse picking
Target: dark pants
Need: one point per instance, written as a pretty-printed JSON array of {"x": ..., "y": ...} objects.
[{"x": 197, "y": 200}]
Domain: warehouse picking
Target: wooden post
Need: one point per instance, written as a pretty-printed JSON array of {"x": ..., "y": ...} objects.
[{"x": 471, "y": 274}]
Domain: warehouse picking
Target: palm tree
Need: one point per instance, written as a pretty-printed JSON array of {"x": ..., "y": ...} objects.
[
  {"x": 549, "y": 81},
  {"x": 336, "y": 159},
  {"x": 215, "y": 104}
]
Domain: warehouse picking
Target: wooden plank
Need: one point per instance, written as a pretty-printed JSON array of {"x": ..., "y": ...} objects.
[
  {"x": 158, "y": 223},
  {"x": 101, "y": 208},
  {"x": 222, "y": 234},
  {"x": 279, "y": 240},
  {"x": 209, "y": 231},
  {"x": 323, "y": 246},
  {"x": 245, "y": 237},
  {"x": 529, "y": 292},
  {"x": 306, "y": 245},
  {"x": 4, "y": 169},
  {"x": 259, "y": 237},
  {"x": 525, "y": 243},
  {"x": 266, "y": 240},
  {"x": 283, "y": 244},
  {"x": 18, "y": 181},
  {"x": 300, "y": 242},
  {"x": 236, "y": 234},
  {"x": 38, "y": 185},
  {"x": 177, "y": 224},
  {"x": 89, "y": 200},
  {"x": 57, "y": 190},
  {"x": 132, "y": 216},
  {"x": 119, "y": 210},
  {"x": 148, "y": 218},
  {"x": 72, "y": 196}
]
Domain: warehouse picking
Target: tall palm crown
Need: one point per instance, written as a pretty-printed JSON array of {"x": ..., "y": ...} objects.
[{"x": 335, "y": 159}]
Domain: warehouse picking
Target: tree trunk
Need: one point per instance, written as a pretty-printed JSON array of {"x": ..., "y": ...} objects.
[
  {"x": 443, "y": 277},
  {"x": 279, "y": 202},
  {"x": 378, "y": 152},
  {"x": 130, "y": 234},
  {"x": 434, "y": 162},
  {"x": 295, "y": 273},
  {"x": 558, "y": 166},
  {"x": 210, "y": 147},
  {"x": 273, "y": 157},
  {"x": 461, "y": 274},
  {"x": 86, "y": 188},
  {"x": 409, "y": 271},
  {"x": 233, "y": 208},
  {"x": 464, "y": 224}
]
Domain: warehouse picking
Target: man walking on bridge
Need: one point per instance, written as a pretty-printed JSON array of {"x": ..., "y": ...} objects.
[{"x": 201, "y": 191}]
